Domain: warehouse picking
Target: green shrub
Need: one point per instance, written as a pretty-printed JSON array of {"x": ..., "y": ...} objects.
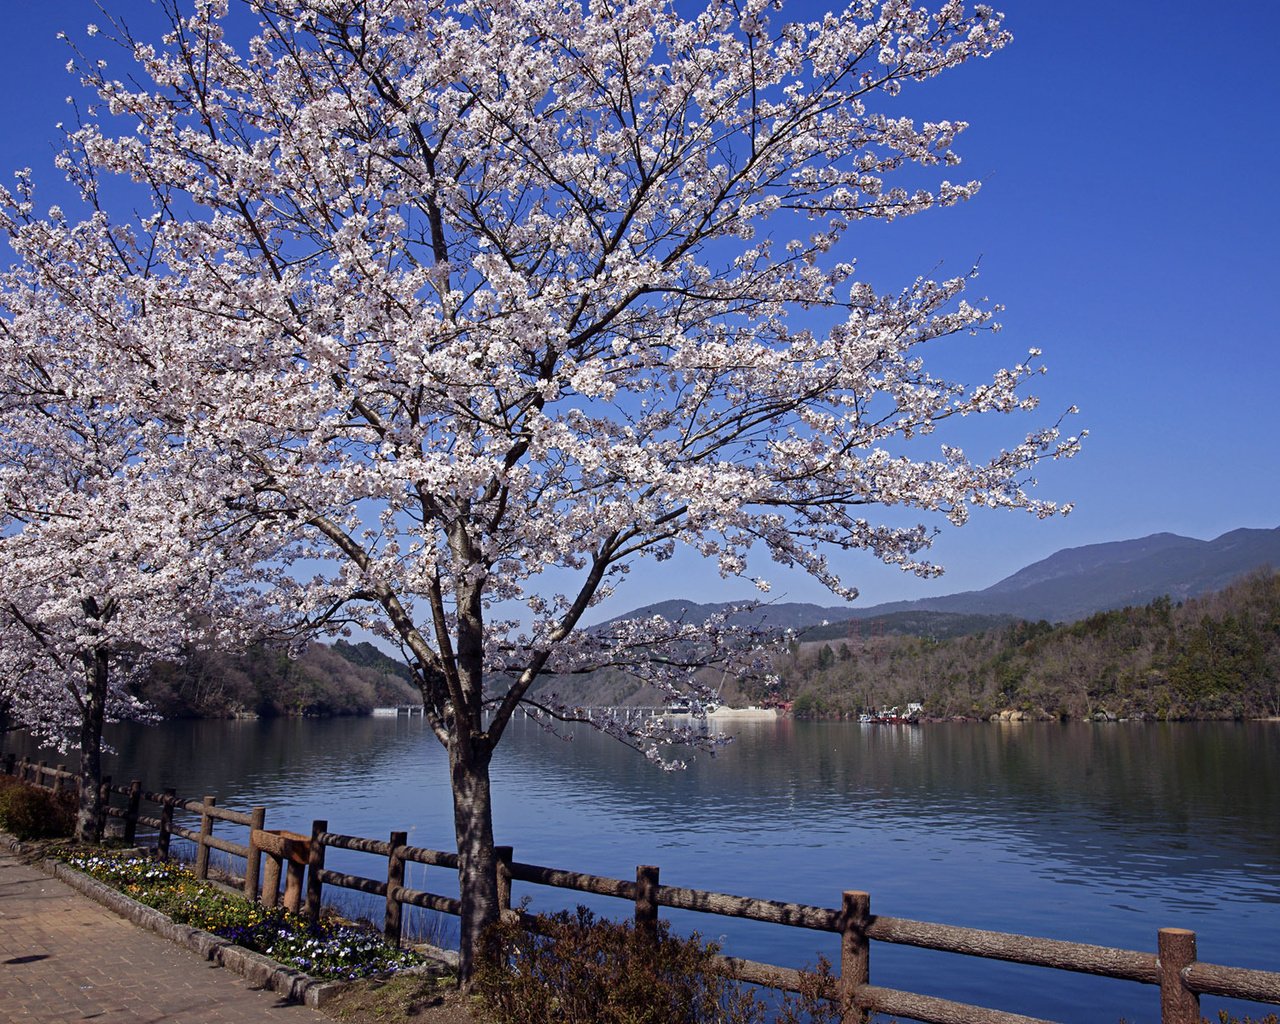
[
  {"x": 572, "y": 969},
  {"x": 813, "y": 1004},
  {"x": 575, "y": 968},
  {"x": 30, "y": 812},
  {"x": 808, "y": 705}
]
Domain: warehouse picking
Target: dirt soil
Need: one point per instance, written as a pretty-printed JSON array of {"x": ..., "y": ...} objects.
[{"x": 405, "y": 999}]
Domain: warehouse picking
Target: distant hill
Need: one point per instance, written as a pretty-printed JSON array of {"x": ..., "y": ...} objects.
[
  {"x": 322, "y": 680},
  {"x": 783, "y": 615},
  {"x": 1065, "y": 587},
  {"x": 1077, "y": 582},
  {"x": 365, "y": 655},
  {"x": 935, "y": 625},
  {"x": 1212, "y": 656}
]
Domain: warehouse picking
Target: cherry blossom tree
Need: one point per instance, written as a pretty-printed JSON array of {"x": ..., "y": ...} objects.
[
  {"x": 480, "y": 304},
  {"x": 99, "y": 578},
  {"x": 85, "y": 550}
]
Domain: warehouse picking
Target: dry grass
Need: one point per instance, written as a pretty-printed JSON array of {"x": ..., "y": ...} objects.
[{"x": 403, "y": 999}]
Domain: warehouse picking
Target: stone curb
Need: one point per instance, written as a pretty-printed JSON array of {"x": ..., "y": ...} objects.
[{"x": 255, "y": 968}]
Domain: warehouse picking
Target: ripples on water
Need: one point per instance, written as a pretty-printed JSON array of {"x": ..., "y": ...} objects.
[{"x": 1091, "y": 833}]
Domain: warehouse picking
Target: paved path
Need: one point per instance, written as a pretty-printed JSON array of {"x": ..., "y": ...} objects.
[{"x": 65, "y": 958}]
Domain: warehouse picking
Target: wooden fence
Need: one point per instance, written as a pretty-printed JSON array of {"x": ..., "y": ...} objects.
[
  {"x": 133, "y": 813},
  {"x": 1173, "y": 967}
]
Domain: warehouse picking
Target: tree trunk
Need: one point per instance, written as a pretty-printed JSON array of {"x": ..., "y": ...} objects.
[
  {"x": 95, "y": 705},
  {"x": 477, "y": 867}
]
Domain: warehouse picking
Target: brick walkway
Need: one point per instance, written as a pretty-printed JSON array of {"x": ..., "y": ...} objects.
[{"x": 65, "y": 958}]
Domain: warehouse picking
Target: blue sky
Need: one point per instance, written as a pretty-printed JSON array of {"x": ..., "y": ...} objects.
[{"x": 1129, "y": 223}]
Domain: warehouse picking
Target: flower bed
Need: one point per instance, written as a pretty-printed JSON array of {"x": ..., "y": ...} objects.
[{"x": 328, "y": 949}]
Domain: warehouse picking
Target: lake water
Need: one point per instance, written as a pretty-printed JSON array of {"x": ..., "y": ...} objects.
[{"x": 1092, "y": 833}]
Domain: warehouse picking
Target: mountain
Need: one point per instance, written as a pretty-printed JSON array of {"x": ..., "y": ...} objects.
[
  {"x": 918, "y": 623},
  {"x": 1077, "y": 582},
  {"x": 1065, "y": 587},
  {"x": 783, "y": 615}
]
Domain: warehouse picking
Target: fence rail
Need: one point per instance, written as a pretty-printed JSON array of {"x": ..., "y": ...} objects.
[
  {"x": 133, "y": 814},
  {"x": 1174, "y": 968}
]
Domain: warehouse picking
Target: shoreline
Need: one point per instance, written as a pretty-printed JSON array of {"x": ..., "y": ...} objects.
[{"x": 1022, "y": 717}]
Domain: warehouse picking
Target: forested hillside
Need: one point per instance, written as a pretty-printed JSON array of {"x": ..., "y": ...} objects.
[
  {"x": 1210, "y": 657},
  {"x": 323, "y": 680}
]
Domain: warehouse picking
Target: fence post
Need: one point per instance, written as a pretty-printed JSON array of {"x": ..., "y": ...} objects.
[
  {"x": 392, "y": 922},
  {"x": 271, "y": 879},
  {"x": 855, "y": 952},
  {"x": 647, "y": 898},
  {"x": 59, "y": 780},
  {"x": 315, "y": 864},
  {"x": 23, "y": 768},
  {"x": 253, "y": 862},
  {"x": 41, "y": 768},
  {"x": 206, "y": 830},
  {"x": 104, "y": 800},
  {"x": 504, "y": 855},
  {"x": 167, "y": 800},
  {"x": 131, "y": 812},
  {"x": 1176, "y": 952}
]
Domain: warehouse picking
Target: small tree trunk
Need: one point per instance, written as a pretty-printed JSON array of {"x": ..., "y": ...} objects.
[
  {"x": 478, "y": 864},
  {"x": 95, "y": 705}
]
